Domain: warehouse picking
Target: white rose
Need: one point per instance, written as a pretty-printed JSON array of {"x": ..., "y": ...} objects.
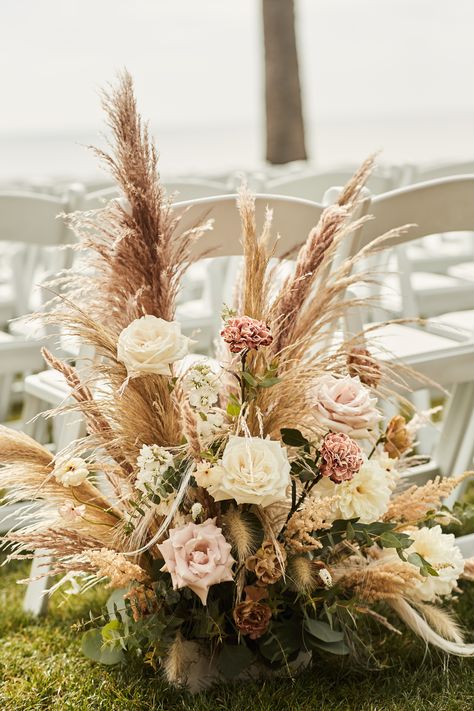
[
  {"x": 366, "y": 496},
  {"x": 150, "y": 344},
  {"x": 345, "y": 405},
  {"x": 443, "y": 555},
  {"x": 254, "y": 471},
  {"x": 71, "y": 472}
]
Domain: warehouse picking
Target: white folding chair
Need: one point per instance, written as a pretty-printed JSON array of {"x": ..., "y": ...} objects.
[
  {"x": 437, "y": 253},
  {"x": 312, "y": 185},
  {"x": 30, "y": 220},
  {"x": 438, "y": 353},
  {"x": 411, "y": 293}
]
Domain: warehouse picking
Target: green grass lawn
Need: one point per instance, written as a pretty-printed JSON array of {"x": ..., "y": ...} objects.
[{"x": 41, "y": 667}]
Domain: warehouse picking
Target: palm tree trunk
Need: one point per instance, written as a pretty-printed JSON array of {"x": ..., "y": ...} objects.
[{"x": 284, "y": 112}]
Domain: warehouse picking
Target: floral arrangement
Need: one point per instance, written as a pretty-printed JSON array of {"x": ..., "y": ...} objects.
[{"x": 248, "y": 511}]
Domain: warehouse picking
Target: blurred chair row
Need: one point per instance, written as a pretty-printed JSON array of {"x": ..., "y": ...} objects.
[{"x": 432, "y": 277}]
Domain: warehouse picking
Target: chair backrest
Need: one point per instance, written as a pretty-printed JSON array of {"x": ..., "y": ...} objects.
[
  {"x": 186, "y": 189},
  {"x": 31, "y": 218},
  {"x": 434, "y": 207},
  {"x": 31, "y": 221},
  {"x": 421, "y": 174},
  {"x": 292, "y": 220},
  {"x": 313, "y": 185}
]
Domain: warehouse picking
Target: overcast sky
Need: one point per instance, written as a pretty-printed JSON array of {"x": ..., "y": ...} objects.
[{"x": 200, "y": 61}]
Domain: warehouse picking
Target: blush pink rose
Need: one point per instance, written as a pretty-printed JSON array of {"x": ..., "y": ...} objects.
[
  {"x": 197, "y": 556},
  {"x": 345, "y": 405}
]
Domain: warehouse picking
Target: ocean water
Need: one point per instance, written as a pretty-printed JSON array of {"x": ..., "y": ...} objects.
[{"x": 211, "y": 150}]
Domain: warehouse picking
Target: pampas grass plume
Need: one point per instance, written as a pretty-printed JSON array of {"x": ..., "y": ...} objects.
[
  {"x": 241, "y": 530},
  {"x": 301, "y": 574},
  {"x": 175, "y": 662}
]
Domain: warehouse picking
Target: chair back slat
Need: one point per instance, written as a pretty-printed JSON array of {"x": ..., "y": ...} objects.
[
  {"x": 434, "y": 207},
  {"x": 293, "y": 219},
  {"x": 31, "y": 218}
]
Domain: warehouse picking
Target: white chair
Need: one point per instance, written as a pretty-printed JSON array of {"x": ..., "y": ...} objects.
[
  {"x": 29, "y": 219},
  {"x": 439, "y": 252},
  {"x": 439, "y": 354},
  {"x": 312, "y": 185},
  {"x": 410, "y": 293}
]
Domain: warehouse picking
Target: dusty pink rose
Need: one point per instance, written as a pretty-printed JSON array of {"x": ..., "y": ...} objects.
[
  {"x": 245, "y": 333},
  {"x": 345, "y": 405},
  {"x": 341, "y": 457},
  {"x": 197, "y": 556}
]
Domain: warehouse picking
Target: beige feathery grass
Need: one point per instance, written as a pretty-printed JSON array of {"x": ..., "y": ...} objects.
[
  {"x": 441, "y": 620},
  {"x": 315, "y": 515},
  {"x": 241, "y": 532},
  {"x": 378, "y": 580},
  {"x": 422, "y": 629},
  {"x": 257, "y": 249},
  {"x": 176, "y": 661},
  {"x": 302, "y": 574},
  {"x": 413, "y": 504}
]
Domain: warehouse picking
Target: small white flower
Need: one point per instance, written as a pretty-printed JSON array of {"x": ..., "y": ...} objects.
[
  {"x": 70, "y": 512},
  {"x": 254, "y": 471},
  {"x": 196, "y": 510},
  {"x": 149, "y": 345},
  {"x": 153, "y": 461},
  {"x": 201, "y": 386},
  {"x": 213, "y": 422},
  {"x": 71, "y": 472},
  {"x": 207, "y": 474},
  {"x": 326, "y": 577}
]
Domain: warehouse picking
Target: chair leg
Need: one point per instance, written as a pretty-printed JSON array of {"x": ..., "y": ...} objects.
[
  {"x": 33, "y": 425},
  {"x": 35, "y": 601},
  {"x": 6, "y": 382},
  {"x": 427, "y": 435}
]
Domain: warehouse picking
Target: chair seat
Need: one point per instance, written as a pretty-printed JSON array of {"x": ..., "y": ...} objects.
[
  {"x": 427, "y": 286},
  {"x": 19, "y": 355},
  {"x": 48, "y": 386},
  {"x": 462, "y": 321},
  {"x": 462, "y": 271},
  {"x": 439, "y": 356}
]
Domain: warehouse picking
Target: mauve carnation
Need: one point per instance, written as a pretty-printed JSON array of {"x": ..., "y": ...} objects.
[
  {"x": 342, "y": 457},
  {"x": 245, "y": 333},
  {"x": 197, "y": 556}
]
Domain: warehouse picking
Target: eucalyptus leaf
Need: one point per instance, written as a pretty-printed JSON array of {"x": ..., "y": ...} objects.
[
  {"x": 322, "y": 631},
  {"x": 93, "y": 647},
  {"x": 248, "y": 377},
  {"x": 293, "y": 437},
  {"x": 233, "y": 659},
  {"x": 269, "y": 382},
  {"x": 425, "y": 567},
  {"x": 339, "y": 648}
]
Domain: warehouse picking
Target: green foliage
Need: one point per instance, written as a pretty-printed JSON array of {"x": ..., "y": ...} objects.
[
  {"x": 233, "y": 406},
  {"x": 293, "y": 437},
  {"x": 233, "y": 659}
]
